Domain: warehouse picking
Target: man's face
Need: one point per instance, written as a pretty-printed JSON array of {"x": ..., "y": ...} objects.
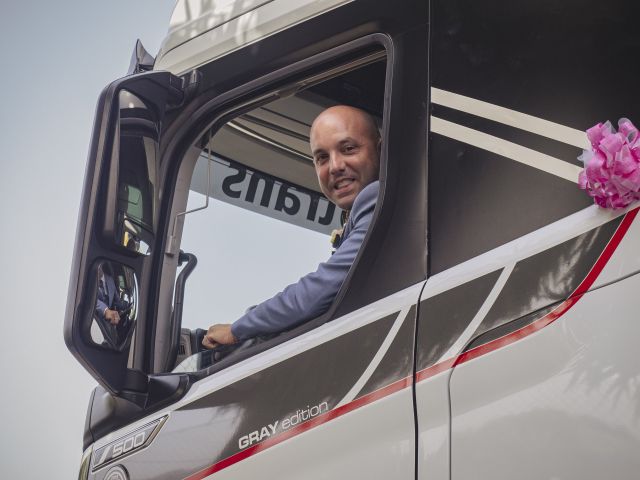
[{"x": 345, "y": 147}]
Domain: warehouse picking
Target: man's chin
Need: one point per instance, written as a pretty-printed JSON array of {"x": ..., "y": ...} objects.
[
  {"x": 345, "y": 199},
  {"x": 345, "y": 203}
]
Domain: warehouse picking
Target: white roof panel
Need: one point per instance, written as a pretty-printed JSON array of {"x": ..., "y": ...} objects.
[{"x": 202, "y": 30}]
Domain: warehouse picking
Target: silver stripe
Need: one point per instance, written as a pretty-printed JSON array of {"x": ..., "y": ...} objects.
[
  {"x": 377, "y": 358},
  {"x": 102, "y": 458},
  {"x": 529, "y": 123},
  {"x": 511, "y": 150},
  {"x": 479, "y": 316}
]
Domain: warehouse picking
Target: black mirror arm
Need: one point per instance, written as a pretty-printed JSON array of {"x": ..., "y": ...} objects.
[
  {"x": 176, "y": 319},
  {"x": 165, "y": 389}
]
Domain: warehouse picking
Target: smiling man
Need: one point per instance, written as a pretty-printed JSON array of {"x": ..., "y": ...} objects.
[{"x": 345, "y": 144}]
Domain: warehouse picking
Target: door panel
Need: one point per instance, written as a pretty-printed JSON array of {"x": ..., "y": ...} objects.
[
  {"x": 561, "y": 403},
  {"x": 541, "y": 278},
  {"x": 371, "y": 442},
  {"x": 320, "y": 403},
  {"x": 432, "y": 399}
]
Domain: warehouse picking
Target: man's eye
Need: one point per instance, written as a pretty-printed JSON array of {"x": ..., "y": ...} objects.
[
  {"x": 320, "y": 159},
  {"x": 349, "y": 148}
]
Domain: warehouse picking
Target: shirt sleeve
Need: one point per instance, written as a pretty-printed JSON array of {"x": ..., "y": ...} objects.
[
  {"x": 313, "y": 294},
  {"x": 100, "y": 308}
]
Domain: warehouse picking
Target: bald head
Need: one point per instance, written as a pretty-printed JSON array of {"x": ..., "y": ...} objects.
[
  {"x": 345, "y": 112},
  {"x": 345, "y": 144}
]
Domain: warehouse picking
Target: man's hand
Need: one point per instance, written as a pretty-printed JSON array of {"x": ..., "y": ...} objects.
[
  {"x": 112, "y": 316},
  {"x": 218, "y": 335}
]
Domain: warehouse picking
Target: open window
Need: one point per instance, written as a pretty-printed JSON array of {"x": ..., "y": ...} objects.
[{"x": 256, "y": 219}]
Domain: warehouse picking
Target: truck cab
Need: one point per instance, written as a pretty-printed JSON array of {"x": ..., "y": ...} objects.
[{"x": 487, "y": 326}]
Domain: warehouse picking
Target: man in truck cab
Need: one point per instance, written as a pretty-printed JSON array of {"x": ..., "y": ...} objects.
[{"x": 345, "y": 144}]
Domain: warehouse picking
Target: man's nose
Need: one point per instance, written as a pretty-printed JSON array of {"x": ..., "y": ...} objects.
[{"x": 336, "y": 163}]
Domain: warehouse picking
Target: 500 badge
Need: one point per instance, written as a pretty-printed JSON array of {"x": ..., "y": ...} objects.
[{"x": 127, "y": 444}]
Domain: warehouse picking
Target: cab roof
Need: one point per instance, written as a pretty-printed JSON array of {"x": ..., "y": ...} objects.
[{"x": 203, "y": 30}]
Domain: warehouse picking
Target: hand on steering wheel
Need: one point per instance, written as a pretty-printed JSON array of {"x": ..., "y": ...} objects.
[{"x": 219, "y": 334}]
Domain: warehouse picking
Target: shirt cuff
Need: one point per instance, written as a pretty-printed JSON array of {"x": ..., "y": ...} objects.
[{"x": 240, "y": 331}]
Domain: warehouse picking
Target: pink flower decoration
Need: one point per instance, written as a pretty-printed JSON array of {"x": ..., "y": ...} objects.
[{"x": 611, "y": 174}]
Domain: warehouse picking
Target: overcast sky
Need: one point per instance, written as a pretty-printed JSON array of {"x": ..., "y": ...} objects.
[{"x": 56, "y": 57}]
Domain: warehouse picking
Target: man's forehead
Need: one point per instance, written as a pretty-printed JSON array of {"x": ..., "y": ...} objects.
[
  {"x": 339, "y": 115},
  {"x": 337, "y": 125}
]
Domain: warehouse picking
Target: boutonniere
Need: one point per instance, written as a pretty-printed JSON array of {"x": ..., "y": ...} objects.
[
  {"x": 336, "y": 238},
  {"x": 611, "y": 174},
  {"x": 338, "y": 233}
]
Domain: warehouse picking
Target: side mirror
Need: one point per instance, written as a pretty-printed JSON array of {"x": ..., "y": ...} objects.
[
  {"x": 117, "y": 228},
  {"x": 130, "y": 212},
  {"x": 136, "y": 165}
]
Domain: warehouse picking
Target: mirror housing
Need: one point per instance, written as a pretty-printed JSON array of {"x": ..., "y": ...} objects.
[
  {"x": 136, "y": 112},
  {"x": 117, "y": 219}
]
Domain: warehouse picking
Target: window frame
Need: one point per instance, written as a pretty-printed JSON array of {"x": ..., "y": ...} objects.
[{"x": 213, "y": 114}]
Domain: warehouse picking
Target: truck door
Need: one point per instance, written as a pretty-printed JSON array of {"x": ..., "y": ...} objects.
[{"x": 329, "y": 399}]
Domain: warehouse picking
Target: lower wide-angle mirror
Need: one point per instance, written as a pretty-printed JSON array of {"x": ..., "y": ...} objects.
[{"x": 115, "y": 312}]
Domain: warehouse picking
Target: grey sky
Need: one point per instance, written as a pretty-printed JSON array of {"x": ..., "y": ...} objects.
[{"x": 56, "y": 57}]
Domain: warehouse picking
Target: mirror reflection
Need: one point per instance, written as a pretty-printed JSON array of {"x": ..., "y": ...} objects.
[
  {"x": 115, "y": 311},
  {"x": 137, "y": 156}
]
